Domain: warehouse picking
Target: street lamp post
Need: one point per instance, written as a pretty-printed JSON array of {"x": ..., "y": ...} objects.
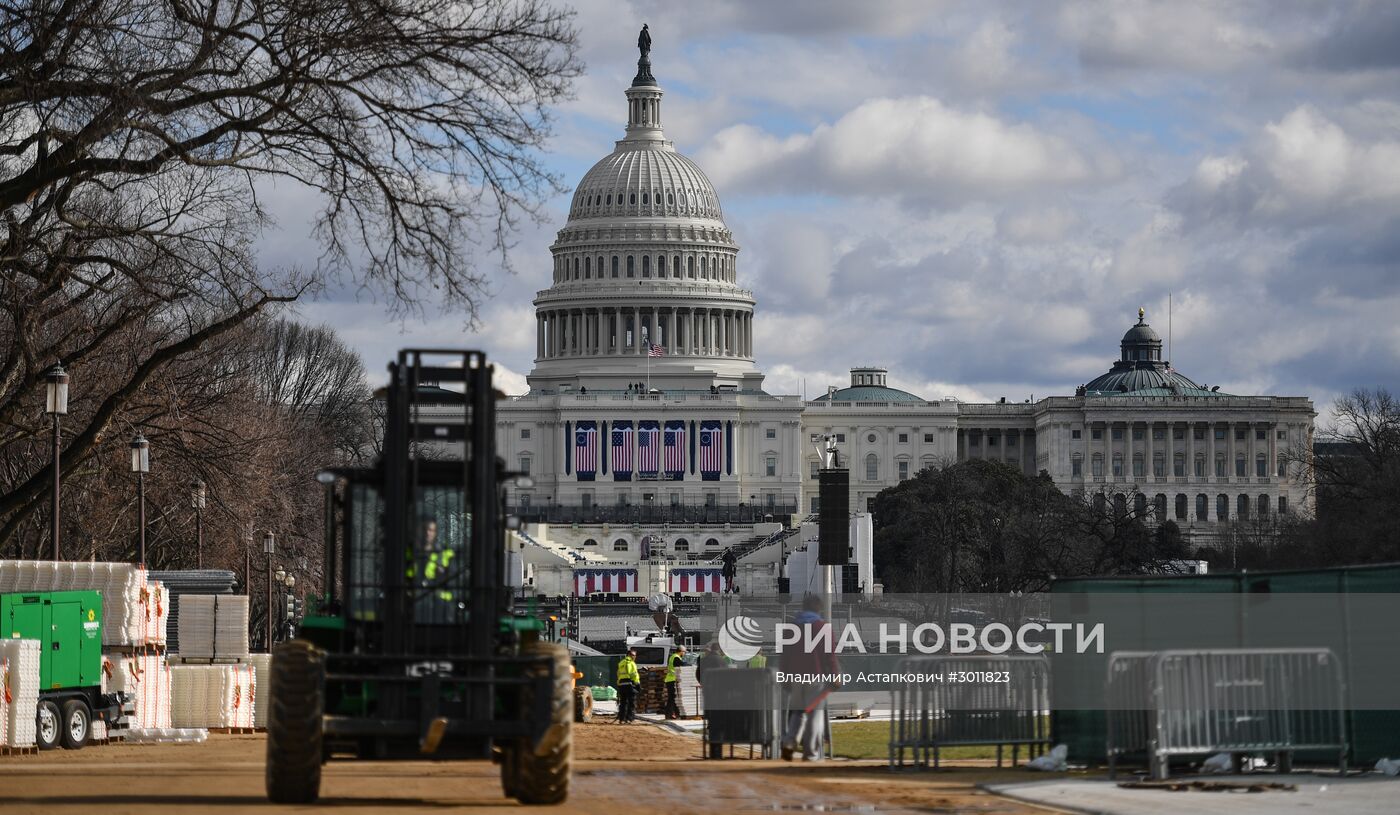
[
  {"x": 56, "y": 405},
  {"x": 269, "y": 547},
  {"x": 140, "y": 464},
  {"x": 281, "y": 615},
  {"x": 197, "y": 500}
]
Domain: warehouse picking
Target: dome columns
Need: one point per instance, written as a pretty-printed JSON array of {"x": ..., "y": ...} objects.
[{"x": 612, "y": 331}]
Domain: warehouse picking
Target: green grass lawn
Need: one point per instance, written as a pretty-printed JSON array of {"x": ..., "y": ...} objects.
[{"x": 872, "y": 740}]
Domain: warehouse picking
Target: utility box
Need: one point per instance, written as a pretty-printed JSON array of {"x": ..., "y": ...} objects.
[{"x": 68, "y": 626}]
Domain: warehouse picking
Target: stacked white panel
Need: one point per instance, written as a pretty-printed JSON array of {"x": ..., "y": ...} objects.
[
  {"x": 213, "y": 625},
  {"x": 213, "y": 695},
  {"x": 262, "y": 670},
  {"x": 133, "y": 611},
  {"x": 4, "y": 700},
  {"x": 22, "y": 687},
  {"x": 146, "y": 678}
]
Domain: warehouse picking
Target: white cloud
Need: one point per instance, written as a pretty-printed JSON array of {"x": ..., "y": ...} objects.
[
  {"x": 914, "y": 147},
  {"x": 1299, "y": 168}
]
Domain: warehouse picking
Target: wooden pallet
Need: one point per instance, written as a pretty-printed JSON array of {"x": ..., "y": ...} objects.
[
  {"x": 17, "y": 751},
  {"x": 237, "y": 731}
]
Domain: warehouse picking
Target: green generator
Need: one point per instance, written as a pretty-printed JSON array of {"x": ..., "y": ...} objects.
[{"x": 68, "y": 626}]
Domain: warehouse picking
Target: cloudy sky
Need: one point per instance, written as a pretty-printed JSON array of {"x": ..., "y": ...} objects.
[{"x": 980, "y": 196}]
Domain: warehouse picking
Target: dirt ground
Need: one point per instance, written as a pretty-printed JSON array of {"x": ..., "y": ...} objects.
[{"x": 618, "y": 768}]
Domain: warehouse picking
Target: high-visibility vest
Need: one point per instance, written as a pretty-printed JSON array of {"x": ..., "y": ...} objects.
[
  {"x": 627, "y": 671},
  {"x": 758, "y": 661},
  {"x": 672, "y": 663},
  {"x": 438, "y": 560}
]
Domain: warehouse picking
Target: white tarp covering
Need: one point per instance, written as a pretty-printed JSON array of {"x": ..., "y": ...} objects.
[
  {"x": 212, "y": 695},
  {"x": 213, "y": 625},
  {"x": 20, "y": 692}
]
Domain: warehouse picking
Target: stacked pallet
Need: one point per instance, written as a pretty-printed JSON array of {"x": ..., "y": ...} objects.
[
  {"x": 146, "y": 678},
  {"x": 180, "y": 582},
  {"x": 212, "y": 696},
  {"x": 213, "y": 626},
  {"x": 133, "y": 608},
  {"x": 21, "y": 691},
  {"x": 652, "y": 697}
]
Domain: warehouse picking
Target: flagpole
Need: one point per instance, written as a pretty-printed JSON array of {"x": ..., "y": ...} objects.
[{"x": 648, "y": 367}]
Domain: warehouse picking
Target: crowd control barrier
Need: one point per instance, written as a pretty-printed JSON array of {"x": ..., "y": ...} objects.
[
  {"x": 1237, "y": 701},
  {"x": 969, "y": 700}
]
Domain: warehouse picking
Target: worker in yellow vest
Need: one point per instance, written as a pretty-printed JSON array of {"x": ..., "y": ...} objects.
[
  {"x": 629, "y": 680},
  {"x": 437, "y": 566},
  {"x": 673, "y": 664},
  {"x": 758, "y": 660}
]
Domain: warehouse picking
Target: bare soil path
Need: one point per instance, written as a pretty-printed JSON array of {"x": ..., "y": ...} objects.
[{"x": 618, "y": 769}]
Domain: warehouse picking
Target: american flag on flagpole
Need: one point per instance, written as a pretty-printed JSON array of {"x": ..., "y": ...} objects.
[{"x": 655, "y": 350}]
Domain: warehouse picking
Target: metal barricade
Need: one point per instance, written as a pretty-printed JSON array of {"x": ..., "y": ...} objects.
[
  {"x": 969, "y": 700},
  {"x": 1237, "y": 701},
  {"x": 743, "y": 708}
]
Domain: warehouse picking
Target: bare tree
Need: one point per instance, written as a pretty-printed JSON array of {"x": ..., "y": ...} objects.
[{"x": 137, "y": 138}]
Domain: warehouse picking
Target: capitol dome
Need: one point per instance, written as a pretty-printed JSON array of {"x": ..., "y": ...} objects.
[
  {"x": 645, "y": 178},
  {"x": 645, "y": 283}
]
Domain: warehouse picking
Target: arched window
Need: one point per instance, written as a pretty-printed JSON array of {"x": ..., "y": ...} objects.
[
  {"x": 712, "y": 543},
  {"x": 632, "y": 199},
  {"x": 1159, "y": 507},
  {"x": 872, "y": 468},
  {"x": 1242, "y": 506},
  {"x": 614, "y": 265},
  {"x": 576, "y": 264},
  {"x": 1261, "y": 466},
  {"x": 644, "y": 199},
  {"x": 1282, "y": 467},
  {"x": 690, "y": 266},
  {"x": 1098, "y": 465},
  {"x": 590, "y": 542},
  {"x": 1120, "y": 505},
  {"x": 1099, "y": 503},
  {"x": 676, "y": 266},
  {"x": 1219, "y": 465},
  {"x": 682, "y": 545},
  {"x": 1239, "y": 465},
  {"x": 1263, "y": 506},
  {"x": 631, "y": 266},
  {"x": 1140, "y": 505},
  {"x": 646, "y": 265},
  {"x": 620, "y": 545},
  {"x": 588, "y": 268},
  {"x": 670, "y": 199},
  {"x": 1200, "y": 465},
  {"x": 609, "y": 199},
  {"x": 1137, "y": 466},
  {"x": 1181, "y": 506},
  {"x": 1202, "y": 506},
  {"x": 1117, "y": 464},
  {"x": 1222, "y": 507},
  {"x": 1179, "y": 465}
]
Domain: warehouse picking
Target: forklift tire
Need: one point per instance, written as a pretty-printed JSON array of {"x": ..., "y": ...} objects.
[
  {"x": 294, "y": 724},
  {"x": 77, "y": 724},
  {"x": 583, "y": 705},
  {"x": 541, "y": 772},
  {"x": 48, "y": 732}
]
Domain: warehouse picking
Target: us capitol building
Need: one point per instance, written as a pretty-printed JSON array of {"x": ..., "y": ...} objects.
[{"x": 648, "y": 434}]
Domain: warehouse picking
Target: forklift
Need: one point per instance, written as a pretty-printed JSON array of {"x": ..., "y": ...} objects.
[{"x": 413, "y": 650}]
